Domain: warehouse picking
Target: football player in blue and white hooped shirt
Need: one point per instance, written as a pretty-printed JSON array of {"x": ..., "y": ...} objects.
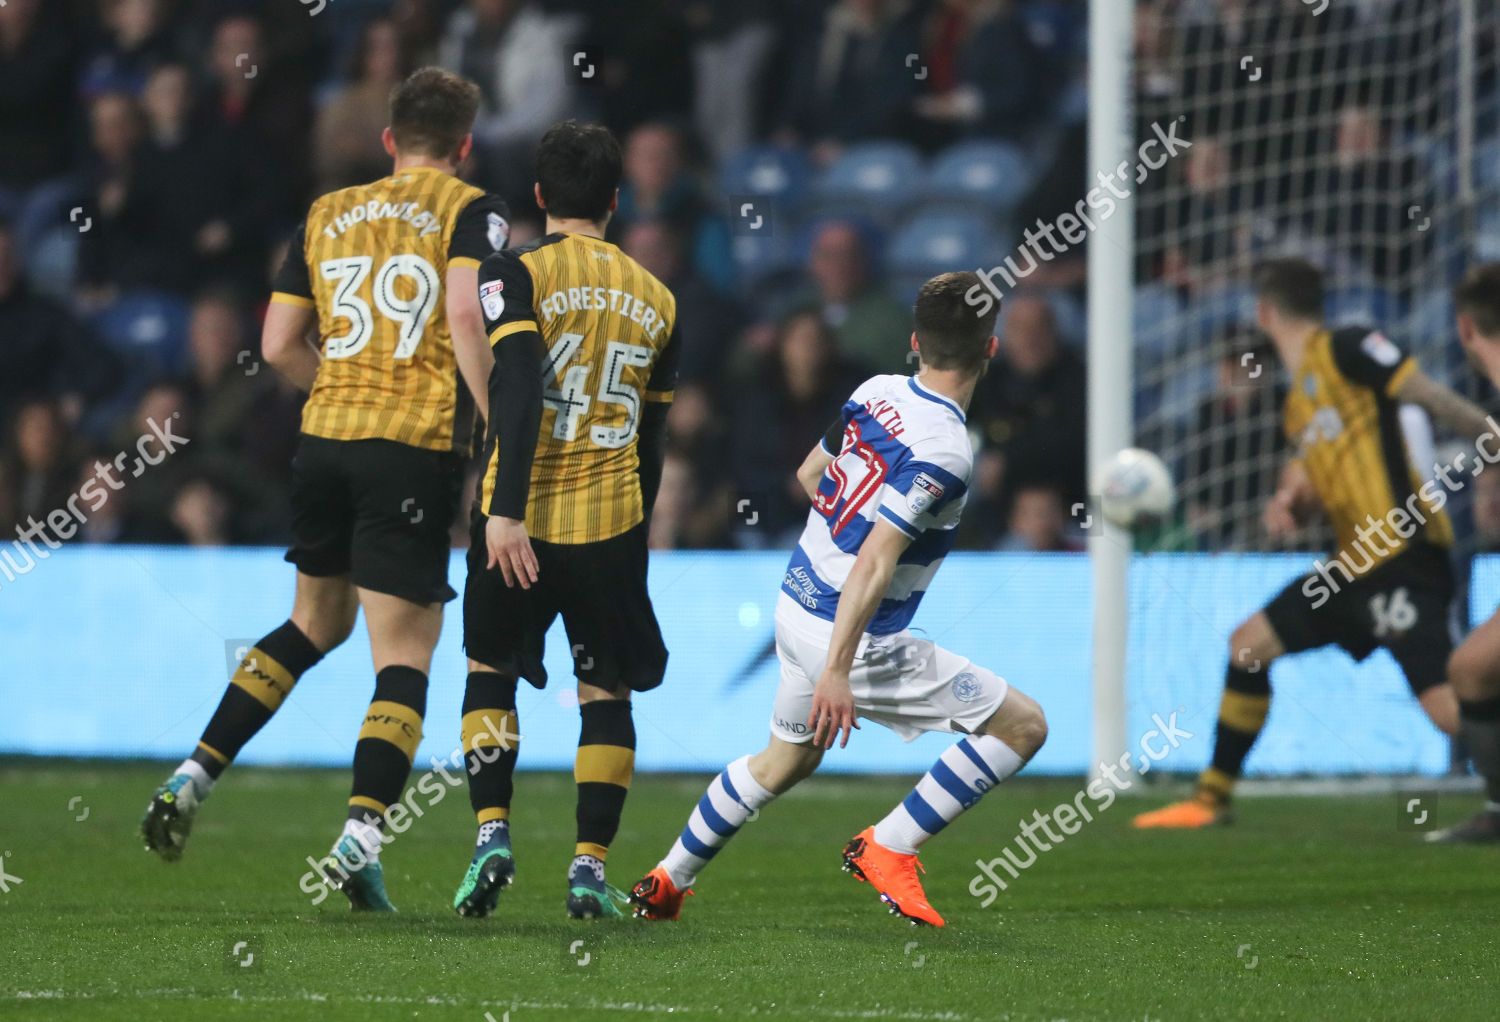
[{"x": 887, "y": 484}]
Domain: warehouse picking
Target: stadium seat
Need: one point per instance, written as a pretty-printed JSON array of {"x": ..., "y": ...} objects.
[
  {"x": 1157, "y": 319},
  {"x": 1487, "y": 168},
  {"x": 996, "y": 175},
  {"x": 1071, "y": 317},
  {"x": 887, "y": 174},
  {"x": 1209, "y": 313},
  {"x": 760, "y": 256},
  {"x": 1171, "y": 396},
  {"x": 1487, "y": 243},
  {"x": 52, "y": 263},
  {"x": 1361, "y": 305},
  {"x": 147, "y": 328},
  {"x": 934, "y": 242},
  {"x": 780, "y": 174}
]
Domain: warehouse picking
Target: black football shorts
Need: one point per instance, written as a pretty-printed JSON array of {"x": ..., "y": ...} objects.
[
  {"x": 378, "y": 511},
  {"x": 1403, "y": 605},
  {"x": 599, "y": 589}
]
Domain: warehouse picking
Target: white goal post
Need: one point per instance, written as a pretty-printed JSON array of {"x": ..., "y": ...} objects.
[
  {"x": 1360, "y": 135},
  {"x": 1111, "y": 270}
]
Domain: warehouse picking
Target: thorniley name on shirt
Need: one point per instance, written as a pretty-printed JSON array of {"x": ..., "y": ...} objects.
[
  {"x": 422, "y": 220},
  {"x": 602, "y": 299}
]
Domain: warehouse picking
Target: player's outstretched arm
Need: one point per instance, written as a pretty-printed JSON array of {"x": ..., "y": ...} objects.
[
  {"x": 470, "y": 346},
  {"x": 285, "y": 345},
  {"x": 868, "y": 582},
  {"x": 1456, "y": 412}
]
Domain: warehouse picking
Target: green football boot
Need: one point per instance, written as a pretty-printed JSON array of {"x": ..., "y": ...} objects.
[
  {"x": 348, "y": 870},
  {"x": 169, "y": 817},
  {"x": 491, "y": 871}
]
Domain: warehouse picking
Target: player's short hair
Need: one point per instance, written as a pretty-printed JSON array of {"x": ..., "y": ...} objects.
[
  {"x": 1294, "y": 286},
  {"x": 1478, "y": 297},
  {"x": 432, "y": 111},
  {"x": 950, "y": 333},
  {"x": 578, "y": 167}
]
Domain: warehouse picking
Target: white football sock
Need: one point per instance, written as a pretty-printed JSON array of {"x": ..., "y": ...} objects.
[
  {"x": 487, "y": 831},
  {"x": 590, "y": 862},
  {"x": 367, "y": 835},
  {"x": 956, "y": 781},
  {"x": 202, "y": 782},
  {"x": 730, "y": 800}
]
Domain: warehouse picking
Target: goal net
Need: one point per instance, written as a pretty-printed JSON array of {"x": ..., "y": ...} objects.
[{"x": 1358, "y": 135}]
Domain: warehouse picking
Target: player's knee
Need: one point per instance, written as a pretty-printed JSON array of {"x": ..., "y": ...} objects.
[
  {"x": 783, "y": 765},
  {"x": 1471, "y": 674},
  {"x": 328, "y": 627},
  {"x": 1250, "y": 647},
  {"x": 1020, "y": 724},
  {"x": 1031, "y": 733}
]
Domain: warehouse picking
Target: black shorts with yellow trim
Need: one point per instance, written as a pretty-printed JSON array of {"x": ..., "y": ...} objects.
[
  {"x": 599, "y": 590},
  {"x": 378, "y": 511},
  {"x": 1404, "y": 605}
]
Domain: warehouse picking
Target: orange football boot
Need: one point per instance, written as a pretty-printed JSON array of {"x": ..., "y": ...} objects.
[
  {"x": 655, "y": 897},
  {"x": 1190, "y": 814},
  {"x": 893, "y": 875}
]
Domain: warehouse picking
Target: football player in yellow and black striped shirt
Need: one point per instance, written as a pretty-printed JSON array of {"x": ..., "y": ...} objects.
[
  {"x": 586, "y": 350},
  {"x": 1390, "y": 583},
  {"x": 384, "y": 275}
]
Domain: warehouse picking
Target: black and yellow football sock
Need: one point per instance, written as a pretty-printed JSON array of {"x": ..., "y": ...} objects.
[
  {"x": 1479, "y": 723},
  {"x": 1242, "y": 713},
  {"x": 491, "y": 743},
  {"x": 261, "y": 683},
  {"x": 605, "y": 764},
  {"x": 388, "y": 740}
]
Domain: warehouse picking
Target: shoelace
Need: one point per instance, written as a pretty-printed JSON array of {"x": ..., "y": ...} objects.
[{"x": 907, "y": 871}]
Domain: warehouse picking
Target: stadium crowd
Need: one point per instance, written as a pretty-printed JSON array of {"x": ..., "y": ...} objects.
[{"x": 794, "y": 168}]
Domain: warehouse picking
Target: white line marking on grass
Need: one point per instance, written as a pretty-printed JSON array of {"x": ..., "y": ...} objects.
[{"x": 434, "y": 1000}]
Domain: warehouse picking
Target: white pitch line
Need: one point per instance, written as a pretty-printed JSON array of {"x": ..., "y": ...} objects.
[{"x": 432, "y": 1000}]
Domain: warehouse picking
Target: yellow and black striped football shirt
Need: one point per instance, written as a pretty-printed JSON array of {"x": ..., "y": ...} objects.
[
  {"x": 608, "y": 344},
  {"x": 373, "y": 261},
  {"x": 1345, "y": 422}
]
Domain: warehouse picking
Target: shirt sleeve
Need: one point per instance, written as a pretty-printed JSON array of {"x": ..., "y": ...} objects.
[
  {"x": 662, "y": 385},
  {"x": 505, "y": 293},
  {"x": 1370, "y": 358},
  {"x": 505, "y": 296},
  {"x": 833, "y": 437},
  {"x": 483, "y": 229},
  {"x": 932, "y": 481},
  {"x": 292, "y": 284}
]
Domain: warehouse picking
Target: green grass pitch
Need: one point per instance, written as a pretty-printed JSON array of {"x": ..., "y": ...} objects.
[{"x": 1306, "y": 909}]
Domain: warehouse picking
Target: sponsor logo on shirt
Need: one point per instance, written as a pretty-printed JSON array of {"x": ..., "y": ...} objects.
[
  {"x": 492, "y": 298},
  {"x": 1379, "y": 347},
  {"x": 497, "y": 230},
  {"x": 925, "y": 491}
]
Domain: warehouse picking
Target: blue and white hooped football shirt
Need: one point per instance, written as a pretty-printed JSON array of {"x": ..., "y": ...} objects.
[{"x": 905, "y": 456}]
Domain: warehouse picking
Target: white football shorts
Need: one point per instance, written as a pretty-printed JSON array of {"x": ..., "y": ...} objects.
[{"x": 906, "y": 682}]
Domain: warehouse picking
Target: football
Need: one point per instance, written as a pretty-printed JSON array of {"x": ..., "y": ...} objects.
[{"x": 1136, "y": 487}]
